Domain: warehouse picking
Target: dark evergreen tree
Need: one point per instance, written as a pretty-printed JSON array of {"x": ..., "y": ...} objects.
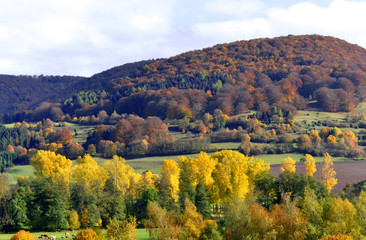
[
  {"x": 149, "y": 195},
  {"x": 211, "y": 233},
  {"x": 112, "y": 204},
  {"x": 202, "y": 200},
  {"x": 82, "y": 199}
]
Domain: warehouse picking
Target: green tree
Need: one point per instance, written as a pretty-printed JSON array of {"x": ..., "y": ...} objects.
[
  {"x": 6, "y": 221},
  {"x": 111, "y": 203},
  {"x": 122, "y": 230},
  {"x": 149, "y": 195},
  {"x": 361, "y": 211},
  {"x": 211, "y": 233},
  {"x": 48, "y": 206},
  {"x": 266, "y": 189},
  {"x": 237, "y": 217},
  {"x": 18, "y": 209},
  {"x": 85, "y": 202},
  {"x": 202, "y": 200},
  {"x": 312, "y": 210}
]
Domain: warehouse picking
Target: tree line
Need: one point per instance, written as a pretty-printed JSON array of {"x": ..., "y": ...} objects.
[{"x": 225, "y": 195}]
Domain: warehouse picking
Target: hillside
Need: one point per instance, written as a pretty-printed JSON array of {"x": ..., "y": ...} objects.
[
  {"x": 20, "y": 93},
  {"x": 233, "y": 77}
]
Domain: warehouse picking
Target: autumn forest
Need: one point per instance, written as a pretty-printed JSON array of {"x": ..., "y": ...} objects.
[{"x": 218, "y": 119}]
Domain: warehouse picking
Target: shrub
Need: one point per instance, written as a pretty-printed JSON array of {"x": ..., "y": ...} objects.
[
  {"x": 23, "y": 235},
  {"x": 87, "y": 234},
  {"x": 338, "y": 237}
]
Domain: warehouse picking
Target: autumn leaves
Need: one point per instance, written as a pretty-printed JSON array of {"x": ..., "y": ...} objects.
[{"x": 328, "y": 173}]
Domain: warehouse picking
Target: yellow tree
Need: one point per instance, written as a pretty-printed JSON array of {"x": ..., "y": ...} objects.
[
  {"x": 310, "y": 165},
  {"x": 233, "y": 175},
  {"x": 230, "y": 176},
  {"x": 263, "y": 225},
  {"x": 147, "y": 180},
  {"x": 89, "y": 172},
  {"x": 163, "y": 225},
  {"x": 204, "y": 166},
  {"x": 187, "y": 176},
  {"x": 3, "y": 186},
  {"x": 290, "y": 222},
  {"x": 288, "y": 164},
  {"x": 122, "y": 175},
  {"x": 193, "y": 223},
  {"x": 341, "y": 219},
  {"x": 361, "y": 211},
  {"x": 87, "y": 234},
  {"x": 328, "y": 173},
  {"x": 74, "y": 222},
  {"x": 56, "y": 167},
  {"x": 338, "y": 237},
  {"x": 169, "y": 179},
  {"x": 314, "y": 137}
]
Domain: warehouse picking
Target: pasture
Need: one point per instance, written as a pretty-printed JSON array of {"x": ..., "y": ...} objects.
[{"x": 79, "y": 132}]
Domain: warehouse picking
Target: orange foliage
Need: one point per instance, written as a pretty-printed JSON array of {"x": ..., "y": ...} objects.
[{"x": 23, "y": 235}]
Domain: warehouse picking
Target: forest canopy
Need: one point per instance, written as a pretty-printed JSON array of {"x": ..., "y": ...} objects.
[{"x": 234, "y": 77}]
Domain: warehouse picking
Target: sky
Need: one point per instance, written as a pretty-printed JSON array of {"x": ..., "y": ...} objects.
[{"x": 85, "y": 37}]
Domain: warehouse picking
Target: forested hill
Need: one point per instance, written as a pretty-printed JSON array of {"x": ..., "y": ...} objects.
[
  {"x": 234, "y": 77},
  {"x": 23, "y": 92}
]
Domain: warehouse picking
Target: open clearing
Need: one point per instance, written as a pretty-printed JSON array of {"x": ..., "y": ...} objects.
[{"x": 347, "y": 172}]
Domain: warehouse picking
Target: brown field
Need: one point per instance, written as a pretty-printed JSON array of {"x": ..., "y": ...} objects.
[{"x": 347, "y": 172}]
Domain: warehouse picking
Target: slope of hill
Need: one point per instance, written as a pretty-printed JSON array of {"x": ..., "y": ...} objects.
[
  {"x": 232, "y": 77},
  {"x": 18, "y": 93}
]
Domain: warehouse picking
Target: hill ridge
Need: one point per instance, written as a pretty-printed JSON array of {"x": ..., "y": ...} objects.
[{"x": 304, "y": 63}]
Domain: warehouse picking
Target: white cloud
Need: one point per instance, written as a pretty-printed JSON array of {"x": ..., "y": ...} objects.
[
  {"x": 234, "y": 7},
  {"x": 344, "y": 19},
  {"x": 88, "y": 36},
  {"x": 233, "y": 30}
]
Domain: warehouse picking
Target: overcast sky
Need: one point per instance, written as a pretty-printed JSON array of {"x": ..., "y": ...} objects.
[{"x": 84, "y": 37}]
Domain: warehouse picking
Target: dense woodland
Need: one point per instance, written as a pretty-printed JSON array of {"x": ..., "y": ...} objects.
[
  {"x": 285, "y": 72},
  {"x": 246, "y": 92}
]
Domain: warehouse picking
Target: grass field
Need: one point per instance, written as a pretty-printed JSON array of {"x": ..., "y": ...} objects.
[
  {"x": 23, "y": 170},
  {"x": 79, "y": 132},
  {"x": 143, "y": 164},
  {"x": 277, "y": 158},
  {"x": 227, "y": 145},
  {"x": 142, "y": 234}
]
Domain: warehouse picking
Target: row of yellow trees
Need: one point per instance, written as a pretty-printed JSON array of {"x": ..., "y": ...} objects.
[
  {"x": 231, "y": 180},
  {"x": 328, "y": 174}
]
